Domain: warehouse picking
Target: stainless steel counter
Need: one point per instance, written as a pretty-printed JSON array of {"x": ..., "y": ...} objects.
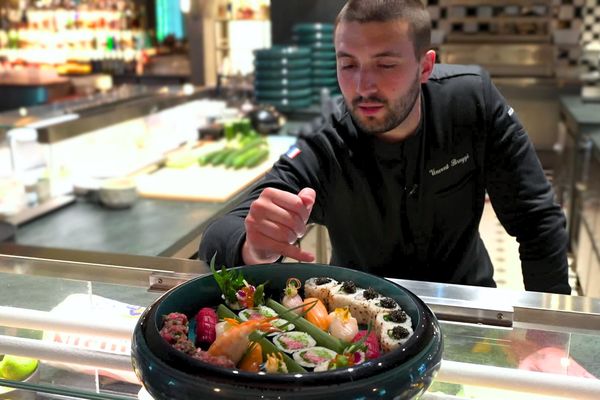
[{"x": 479, "y": 352}]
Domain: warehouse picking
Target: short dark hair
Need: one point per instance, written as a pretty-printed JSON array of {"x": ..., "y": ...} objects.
[{"x": 412, "y": 11}]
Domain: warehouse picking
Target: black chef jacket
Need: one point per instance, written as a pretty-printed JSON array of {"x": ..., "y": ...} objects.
[{"x": 412, "y": 209}]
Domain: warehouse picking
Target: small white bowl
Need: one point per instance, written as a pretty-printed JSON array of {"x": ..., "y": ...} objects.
[{"x": 118, "y": 193}]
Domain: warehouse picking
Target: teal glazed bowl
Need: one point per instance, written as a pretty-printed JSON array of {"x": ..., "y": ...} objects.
[
  {"x": 166, "y": 373},
  {"x": 282, "y": 63},
  {"x": 282, "y": 73},
  {"x": 287, "y": 105},
  {"x": 312, "y": 28},
  {"x": 278, "y": 52},
  {"x": 267, "y": 84}
]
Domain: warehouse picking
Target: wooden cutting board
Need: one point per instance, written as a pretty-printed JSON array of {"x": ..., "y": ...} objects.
[{"x": 208, "y": 183}]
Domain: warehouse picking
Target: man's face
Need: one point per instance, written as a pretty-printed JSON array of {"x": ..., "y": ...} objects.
[{"x": 378, "y": 73}]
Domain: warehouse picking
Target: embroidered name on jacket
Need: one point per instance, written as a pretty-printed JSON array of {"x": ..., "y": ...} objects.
[{"x": 455, "y": 162}]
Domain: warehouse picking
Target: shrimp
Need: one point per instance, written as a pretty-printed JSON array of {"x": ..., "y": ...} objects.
[{"x": 233, "y": 343}]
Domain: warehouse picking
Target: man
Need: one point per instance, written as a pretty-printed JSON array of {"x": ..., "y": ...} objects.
[{"x": 400, "y": 172}]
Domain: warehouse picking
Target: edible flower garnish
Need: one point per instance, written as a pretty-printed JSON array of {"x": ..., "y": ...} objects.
[
  {"x": 245, "y": 296},
  {"x": 275, "y": 364},
  {"x": 291, "y": 298},
  {"x": 236, "y": 291}
]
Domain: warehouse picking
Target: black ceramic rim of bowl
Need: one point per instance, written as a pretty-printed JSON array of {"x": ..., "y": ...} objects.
[{"x": 147, "y": 331}]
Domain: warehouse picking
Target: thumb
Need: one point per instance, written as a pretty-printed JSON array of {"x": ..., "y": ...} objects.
[{"x": 308, "y": 196}]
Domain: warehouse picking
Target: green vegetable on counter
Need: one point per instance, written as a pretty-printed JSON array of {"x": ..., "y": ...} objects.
[
  {"x": 256, "y": 158},
  {"x": 222, "y": 156},
  {"x": 229, "y": 161}
]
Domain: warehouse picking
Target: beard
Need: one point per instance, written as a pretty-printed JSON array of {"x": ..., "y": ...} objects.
[{"x": 395, "y": 111}]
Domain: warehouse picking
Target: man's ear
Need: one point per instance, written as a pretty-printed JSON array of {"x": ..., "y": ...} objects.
[{"x": 427, "y": 63}]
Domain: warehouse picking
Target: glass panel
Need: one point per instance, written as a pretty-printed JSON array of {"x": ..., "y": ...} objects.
[
  {"x": 572, "y": 354},
  {"x": 110, "y": 303}
]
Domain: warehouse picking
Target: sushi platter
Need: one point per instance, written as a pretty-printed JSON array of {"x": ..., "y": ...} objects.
[{"x": 285, "y": 327}]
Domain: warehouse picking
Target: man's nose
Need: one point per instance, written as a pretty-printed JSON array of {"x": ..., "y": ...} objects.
[{"x": 365, "y": 84}]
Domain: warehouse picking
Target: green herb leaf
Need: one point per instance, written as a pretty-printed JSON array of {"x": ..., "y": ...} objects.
[
  {"x": 259, "y": 294},
  {"x": 228, "y": 281}
]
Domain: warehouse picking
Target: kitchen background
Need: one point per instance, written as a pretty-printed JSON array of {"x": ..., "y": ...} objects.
[{"x": 96, "y": 90}]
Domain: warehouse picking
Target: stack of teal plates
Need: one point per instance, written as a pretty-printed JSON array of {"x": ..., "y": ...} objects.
[
  {"x": 319, "y": 37},
  {"x": 283, "y": 77}
]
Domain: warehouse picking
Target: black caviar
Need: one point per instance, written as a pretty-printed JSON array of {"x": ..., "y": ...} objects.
[
  {"x": 398, "y": 332},
  {"x": 322, "y": 281},
  {"x": 387, "y": 302},
  {"x": 398, "y": 316},
  {"x": 349, "y": 287},
  {"x": 370, "y": 294}
]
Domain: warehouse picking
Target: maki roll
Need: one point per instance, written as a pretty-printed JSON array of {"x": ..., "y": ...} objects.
[
  {"x": 359, "y": 308},
  {"x": 343, "y": 295},
  {"x": 283, "y": 325},
  {"x": 314, "y": 356},
  {"x": 386, "y": 320},
  {"x": 257, "y": 313},
  {"x": 291, "y": 342},
  {"x": 381, "y": 304},
  {"x": 319, "y": 288},
  {"x": 393, "y": 329},
  {"x": 394, "y": 336}
]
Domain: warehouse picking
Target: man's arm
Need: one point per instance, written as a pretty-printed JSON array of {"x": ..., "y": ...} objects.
[
  {"x": 226, "y": 236},
  {"x": 523, "y": 198}
]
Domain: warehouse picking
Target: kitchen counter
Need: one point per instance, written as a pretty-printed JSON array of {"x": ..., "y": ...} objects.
[
  {"x": 595, "y": 137},
  {"x": 480, "y": 355},
  {"x": 149, "y": 228},
  {"x": 582, "y": 117}
]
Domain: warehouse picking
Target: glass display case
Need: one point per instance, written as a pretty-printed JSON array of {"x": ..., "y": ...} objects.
[{"x": 76, "y": 319}]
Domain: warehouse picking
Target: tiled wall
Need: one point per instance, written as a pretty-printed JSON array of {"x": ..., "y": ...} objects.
[
  {"x": 591, "y": 32},
  {"x": 573, "y": 23},
  {"x": 591, "y": 22}
]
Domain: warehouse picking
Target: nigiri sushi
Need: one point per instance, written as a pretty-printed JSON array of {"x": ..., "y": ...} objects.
[{"x": 342, "y": 324}]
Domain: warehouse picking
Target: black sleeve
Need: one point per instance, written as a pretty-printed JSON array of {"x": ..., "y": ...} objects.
[
  {"x": 523, "y": 198},
  {"x": 226, "y": 235}
]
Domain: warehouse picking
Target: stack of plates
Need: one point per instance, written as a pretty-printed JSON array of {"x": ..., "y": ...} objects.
[
  {"x": 319, "y": 37},
  {"x": 283, "y": 77}
]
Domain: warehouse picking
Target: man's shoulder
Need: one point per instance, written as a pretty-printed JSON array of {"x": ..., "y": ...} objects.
[
  {"x": 336, "y": 126},
  {"x": 450, "y": 83},
  {"x": 452, "y": 72}
]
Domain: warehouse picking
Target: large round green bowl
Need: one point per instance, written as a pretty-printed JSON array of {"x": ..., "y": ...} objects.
[{"x": 166, "y": 373}]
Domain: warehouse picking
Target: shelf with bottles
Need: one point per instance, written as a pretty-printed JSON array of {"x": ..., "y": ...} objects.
[
  {"x": 243, "y": 10},
  {"x": 85, "y": 25}
]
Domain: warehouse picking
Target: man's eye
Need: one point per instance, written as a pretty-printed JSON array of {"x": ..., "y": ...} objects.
[
  {"x": 387, "y": 66},
  {"x": 347, "y": 66}
]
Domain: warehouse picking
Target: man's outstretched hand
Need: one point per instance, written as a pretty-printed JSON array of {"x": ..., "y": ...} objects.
[{"x": 275, "y": 222}]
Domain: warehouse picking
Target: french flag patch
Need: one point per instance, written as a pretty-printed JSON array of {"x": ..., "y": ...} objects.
[{"x": 293, "y": 152}]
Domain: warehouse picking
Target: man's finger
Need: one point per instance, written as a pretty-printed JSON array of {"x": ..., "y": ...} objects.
[
  {"x": 308, "y": 197},
  {"x": 263, "y": 210},
  {"x": 260, "y": 242}
]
